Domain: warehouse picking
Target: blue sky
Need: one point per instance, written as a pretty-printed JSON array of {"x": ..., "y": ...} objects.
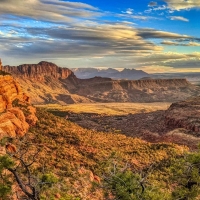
[{"x": 154, "y": 36}]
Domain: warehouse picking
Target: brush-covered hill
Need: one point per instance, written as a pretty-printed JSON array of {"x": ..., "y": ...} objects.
[
  {"x": 82, "y": 159},
  {"x": 45, "y": 82}
]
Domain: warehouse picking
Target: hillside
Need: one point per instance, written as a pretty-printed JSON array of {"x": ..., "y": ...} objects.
[
  {"x": 47, "y": 83},
  {"x": 80, "y": 158}
]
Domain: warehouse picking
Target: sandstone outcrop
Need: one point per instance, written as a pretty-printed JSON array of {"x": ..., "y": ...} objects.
[
  {"x": 185, "y": 114},
  {"x": 13, "y": 106},
  {"x": 9, "y": 91}
]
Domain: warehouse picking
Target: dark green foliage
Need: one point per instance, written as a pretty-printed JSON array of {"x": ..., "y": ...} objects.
[
  {"x": 3, "y": 73},
  {"x": 48, "y": 180},
  {"x": 5, "y": 190},
  {"x": 5, "y": 184},
  {"x": 5, "y": 162},
  {"x": 186, "y": 175},
  {"x": 128, "y": 185},
  {"x": 125, "y": 185}
]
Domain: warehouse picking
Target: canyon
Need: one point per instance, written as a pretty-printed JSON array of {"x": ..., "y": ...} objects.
[
  {"x": 76, "y": 149},
  {"x": 46, "y": 83}
]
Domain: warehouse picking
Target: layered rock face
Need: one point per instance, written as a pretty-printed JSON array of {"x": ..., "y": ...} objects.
[
  {"x": 45, "y": 82},
  {"x": 39, "y": 71},
  {"x": 9, "y": 91},
  {"x": 102, "y": 89},
  {"x": 185, "y": 114},
  {"x": 13, "y": 121}
]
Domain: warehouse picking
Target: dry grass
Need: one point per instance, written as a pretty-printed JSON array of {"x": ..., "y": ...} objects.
[{"x": 110, "y": 108}]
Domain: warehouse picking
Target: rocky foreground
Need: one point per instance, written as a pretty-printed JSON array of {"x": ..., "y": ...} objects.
[
  {"x": 13, "y": 121},
  {"x": 45, "y": 82}
]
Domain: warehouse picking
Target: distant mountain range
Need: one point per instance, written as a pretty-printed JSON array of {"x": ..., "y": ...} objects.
[{"x": 129, "y": 74}]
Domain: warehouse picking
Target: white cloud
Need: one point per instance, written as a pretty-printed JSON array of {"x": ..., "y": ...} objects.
[
  {"x": 179, "y": 18},
  {"x": 48, "y": 10},
  {"x": 175, "y": 43},
  {"x": 129, "y": 11},
  {"x": 183, "y": 4}
]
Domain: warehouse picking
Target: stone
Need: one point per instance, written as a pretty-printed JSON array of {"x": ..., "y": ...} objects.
[{"x": 184, "y": 114}]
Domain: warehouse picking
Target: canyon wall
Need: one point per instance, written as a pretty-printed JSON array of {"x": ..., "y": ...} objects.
[
  {"x": 46, "y": 83},
  {"x": 105, "y": 89},
  {"x": 39, "y": 71}
]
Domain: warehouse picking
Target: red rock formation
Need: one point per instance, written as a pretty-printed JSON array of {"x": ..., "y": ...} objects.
[
  {"x": 9, "y": 91},
  {"x": 0, "y": 65},
  {"x": 39, "y": 71},
  {"x": 13, "y": 121},
  {"x": 185, "y": 114}
]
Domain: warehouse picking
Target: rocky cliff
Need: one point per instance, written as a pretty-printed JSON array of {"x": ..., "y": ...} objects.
[
  {"x": 16, "y": 113},
  {"x": 185, "y": 114},
  {"x": 45, "y": 82},
  {"x": 39, "y": 71},
  {"x": 102, "y": 89}
]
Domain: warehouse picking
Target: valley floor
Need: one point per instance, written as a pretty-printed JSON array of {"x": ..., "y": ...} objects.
[
  {"x": 141, "y": 120},
  {"x": 109, "y": 108}
]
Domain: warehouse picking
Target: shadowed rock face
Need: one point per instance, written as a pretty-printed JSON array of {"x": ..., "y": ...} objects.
[
  {"x": 0, "y": 65},
  {"x": 45, "y": 82},
  {"x": 185, "y": 114}
]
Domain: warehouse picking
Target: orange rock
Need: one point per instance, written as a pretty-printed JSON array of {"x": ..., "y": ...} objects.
[
  {"x": 57, "y": 196},
  {"x": 97, "y": 179},
  {"x": 26, "y": 98},
  {"x": 12, "y": 119},
  {"x": 11, "y": 148}
]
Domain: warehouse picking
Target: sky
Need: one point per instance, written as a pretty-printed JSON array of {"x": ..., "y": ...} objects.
[{"x": 161, "y": 36}]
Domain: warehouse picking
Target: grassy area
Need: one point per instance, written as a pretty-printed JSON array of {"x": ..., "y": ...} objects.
[{"x": 109, "y": 108}]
